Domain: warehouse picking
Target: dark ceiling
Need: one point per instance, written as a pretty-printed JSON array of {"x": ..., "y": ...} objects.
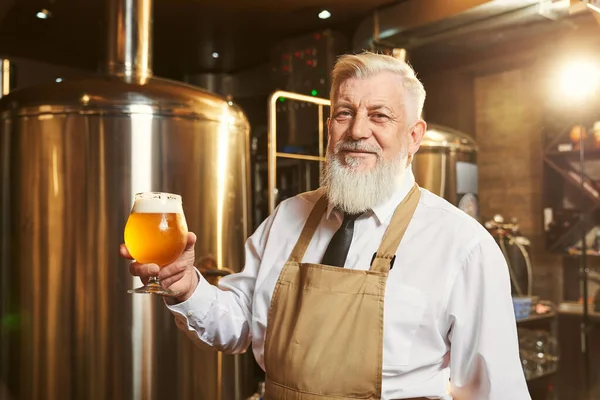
[{"x": 186, "y": 32}]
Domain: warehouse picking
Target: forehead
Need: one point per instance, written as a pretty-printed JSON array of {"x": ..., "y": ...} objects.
[{"x": 384, "y": 87}]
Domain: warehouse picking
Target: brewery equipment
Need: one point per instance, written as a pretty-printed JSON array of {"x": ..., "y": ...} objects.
[
  {"x": 516, "y": 250},
  {"x": 446, "y": 164},
  {"x": 73, "y": 154}
]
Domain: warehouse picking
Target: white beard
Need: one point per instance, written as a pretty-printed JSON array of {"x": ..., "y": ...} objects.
[{"x": 353, "y": 191}]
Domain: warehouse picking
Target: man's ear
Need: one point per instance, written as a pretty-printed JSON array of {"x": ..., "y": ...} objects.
[{"x": 415, "y": 136}]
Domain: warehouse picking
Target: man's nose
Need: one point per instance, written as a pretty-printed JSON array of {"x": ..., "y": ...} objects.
[{"x": 360, "y": 127}]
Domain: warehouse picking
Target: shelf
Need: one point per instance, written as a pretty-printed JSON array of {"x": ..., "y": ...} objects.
[
  {"x": 588, "y": 152},
  {"x": 588, "y": 253},
  {"x": 561, "y": 125},
  {"x": 574, "y": 181},
  {"x": 537, "y": 317},
  {"x": 562, "y": 187},
  {"x": 576, "y": 310}
]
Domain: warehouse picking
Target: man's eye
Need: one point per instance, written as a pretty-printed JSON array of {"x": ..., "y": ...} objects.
[{"x": 380, "y": 117}]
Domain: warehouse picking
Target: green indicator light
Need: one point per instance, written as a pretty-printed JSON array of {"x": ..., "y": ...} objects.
[{"x": 314, "y": 92}]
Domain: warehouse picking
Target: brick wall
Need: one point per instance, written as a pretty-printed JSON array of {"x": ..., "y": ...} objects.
[{"x": 509, "y": 108}]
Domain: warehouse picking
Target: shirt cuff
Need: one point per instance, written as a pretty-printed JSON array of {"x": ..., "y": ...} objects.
[{"x": 197, "y": 306}]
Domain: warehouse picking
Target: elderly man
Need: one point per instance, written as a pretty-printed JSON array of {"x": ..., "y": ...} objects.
[{"x": 369, "y": 287}]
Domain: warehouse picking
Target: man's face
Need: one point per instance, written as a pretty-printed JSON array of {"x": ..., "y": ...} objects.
[{"x": 368, "y": 122}]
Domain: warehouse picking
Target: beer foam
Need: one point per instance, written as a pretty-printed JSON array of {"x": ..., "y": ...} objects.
[{"x": 157, "y": 203}]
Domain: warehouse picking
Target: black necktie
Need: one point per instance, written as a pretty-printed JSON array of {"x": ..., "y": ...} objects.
[{"x": 337, "y": 251}]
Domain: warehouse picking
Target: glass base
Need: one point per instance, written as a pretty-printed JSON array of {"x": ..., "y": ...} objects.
[{"x": 153, "y": 287}]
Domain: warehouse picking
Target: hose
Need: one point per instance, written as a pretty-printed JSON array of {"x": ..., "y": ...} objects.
[
  {"x": 527, "y": 265},
  {"x": 513, "y": 278}
]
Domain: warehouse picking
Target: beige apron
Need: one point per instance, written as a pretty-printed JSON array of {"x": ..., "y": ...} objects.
[{"x": 325, "y": 326}]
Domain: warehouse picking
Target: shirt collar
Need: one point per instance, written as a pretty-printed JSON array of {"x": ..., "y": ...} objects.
[{"x": 384, "y": 210}]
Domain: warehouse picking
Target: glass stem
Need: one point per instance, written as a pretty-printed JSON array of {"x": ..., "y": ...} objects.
[{"x": 153, "y": 280}]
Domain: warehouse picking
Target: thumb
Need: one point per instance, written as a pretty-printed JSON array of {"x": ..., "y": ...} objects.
[{"x": 191, "y": 241}]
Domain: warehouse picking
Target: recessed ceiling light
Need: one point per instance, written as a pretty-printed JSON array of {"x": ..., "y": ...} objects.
[
  {"x": 324, "y": 14},
  {"x": 43, "y": 14},
  {"x": 215, "y": 54},
  {"x": 59, "y": 80}
]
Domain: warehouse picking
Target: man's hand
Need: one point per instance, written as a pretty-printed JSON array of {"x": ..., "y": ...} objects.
[{"x": 179, "y": 276}]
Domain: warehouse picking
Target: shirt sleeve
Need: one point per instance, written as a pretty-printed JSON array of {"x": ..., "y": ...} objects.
[
  {"x": 484, "y": 347},
  {"x": 220, "y": 316}
]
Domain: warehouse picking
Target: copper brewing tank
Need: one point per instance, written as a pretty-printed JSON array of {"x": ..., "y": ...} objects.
[
  {"x": 72, "y": 156},
  {"x": 446, "y": 164}
]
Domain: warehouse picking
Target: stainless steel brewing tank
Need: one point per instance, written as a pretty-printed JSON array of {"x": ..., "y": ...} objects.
[
  {"x": 446, "y": 164},
  {"x": 73, "y": 156}
]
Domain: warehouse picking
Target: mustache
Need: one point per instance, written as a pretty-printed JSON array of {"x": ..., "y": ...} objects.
[{"x": 356, "y": 145}]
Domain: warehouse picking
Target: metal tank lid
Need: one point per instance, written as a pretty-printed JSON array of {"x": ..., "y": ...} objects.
[
  {"x": 438, "y": 136},
  {"x": 106, "y": 95}
]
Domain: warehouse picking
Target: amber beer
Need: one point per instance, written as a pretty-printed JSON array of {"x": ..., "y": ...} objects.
[{"x": 156, "y": 231}]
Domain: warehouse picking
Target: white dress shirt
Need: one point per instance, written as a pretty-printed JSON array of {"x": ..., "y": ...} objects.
[{"x": 448, "y": 313}]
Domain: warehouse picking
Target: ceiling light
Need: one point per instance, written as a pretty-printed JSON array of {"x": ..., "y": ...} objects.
[
  {"x": 215, "y": 54},
  {"x": 59, "y": 80},
  {"x": 43, "y": 14},
  {"x": 324, "y": 14}
]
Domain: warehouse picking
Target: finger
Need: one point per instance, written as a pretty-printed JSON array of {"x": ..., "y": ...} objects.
[
  {"x": 143, "y": 270},
  {"x": 172, "y": 269},
  {"x": 167, "y": 282},
  {"x": 124, "y": 252},
  {"x": 191, "y": 240}
]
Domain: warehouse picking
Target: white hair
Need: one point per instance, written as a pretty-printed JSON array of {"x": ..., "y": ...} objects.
[
  {"x": 353, "y": 191},
  {"x": 366, "y": 64}
]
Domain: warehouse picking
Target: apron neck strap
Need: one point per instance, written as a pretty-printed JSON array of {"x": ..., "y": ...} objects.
[
  {"x": 386, "y": 253},
  {"x": 384, "y": 258},
  {"x": 310, "y": 227}
]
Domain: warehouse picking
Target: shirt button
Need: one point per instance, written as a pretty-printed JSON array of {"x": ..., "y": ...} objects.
[{"x": 190, "y": 313}]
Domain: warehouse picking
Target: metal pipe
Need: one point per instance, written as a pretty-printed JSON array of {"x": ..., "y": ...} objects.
[
  {"x": 300, "y": 157},
  {"x": 272, "y": 153},
  {"x": 321, "y": 141},
  {"x": 5, "y": 77},
  {"x": 129, "y": 44},
  {"x": 584, "y": 270},
  {"x": 484, "y": 25},
  {"x": 396, "y": 23},
  {"x": 375, "y": 30}
]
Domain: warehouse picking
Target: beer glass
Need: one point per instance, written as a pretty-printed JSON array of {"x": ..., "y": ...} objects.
[{"x": 156, "y": 233}]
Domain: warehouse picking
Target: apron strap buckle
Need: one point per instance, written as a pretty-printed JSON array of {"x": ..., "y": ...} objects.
[{"x": 392, "y": 260}]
